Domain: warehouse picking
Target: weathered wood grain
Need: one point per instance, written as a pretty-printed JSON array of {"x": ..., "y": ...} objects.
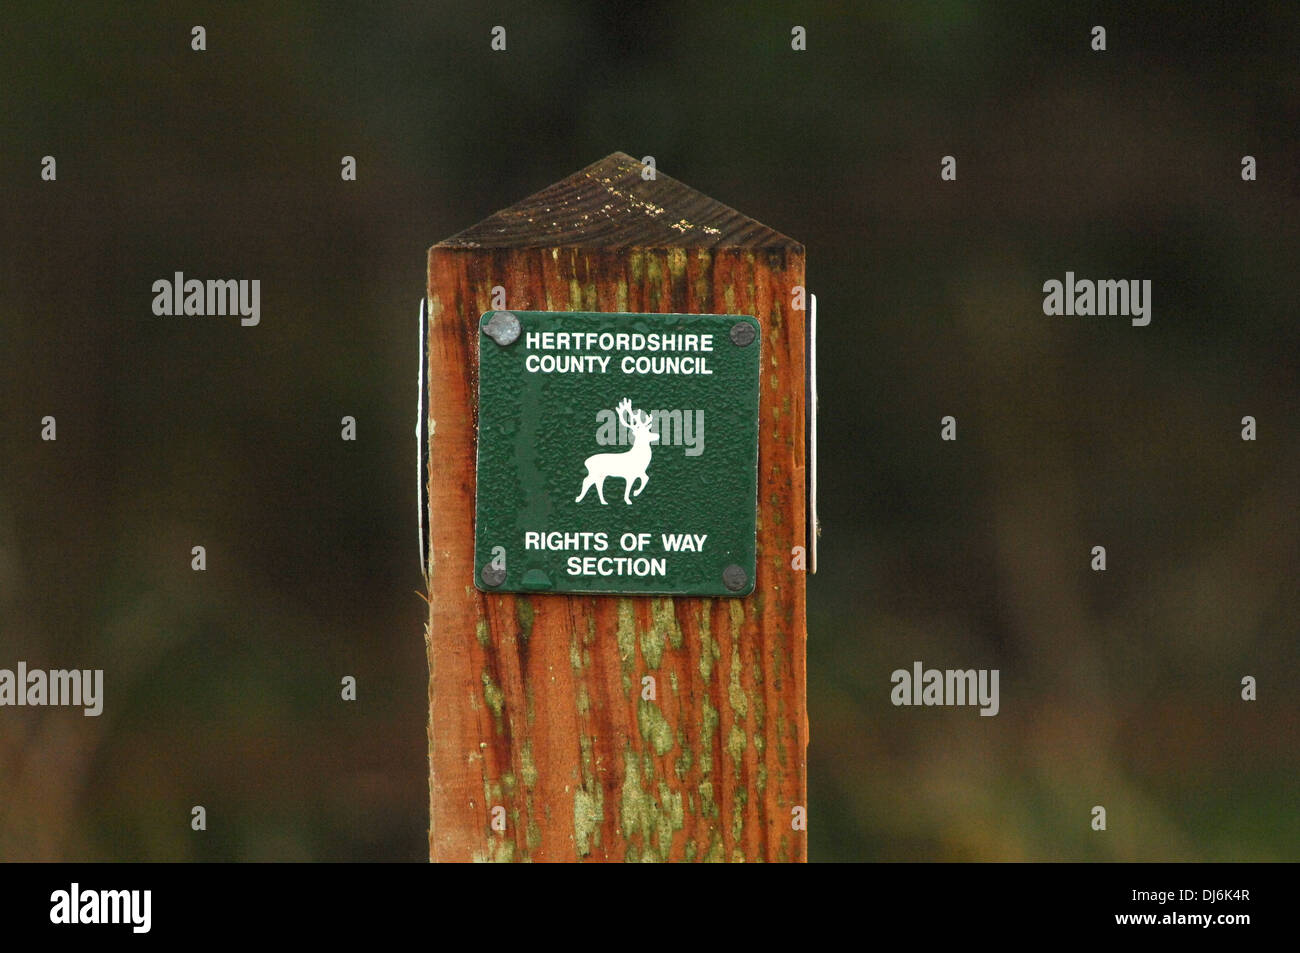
[{"x": 535, "y": 700}]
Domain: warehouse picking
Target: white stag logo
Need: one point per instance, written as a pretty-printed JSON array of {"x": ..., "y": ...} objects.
[{"x": 630, "y": 464}]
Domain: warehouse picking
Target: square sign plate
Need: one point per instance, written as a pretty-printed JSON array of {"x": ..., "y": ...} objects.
[{"x": 617, "y": 453}]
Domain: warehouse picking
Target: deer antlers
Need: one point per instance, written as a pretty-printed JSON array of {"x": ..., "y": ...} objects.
[{"x": 635, "y": 419}]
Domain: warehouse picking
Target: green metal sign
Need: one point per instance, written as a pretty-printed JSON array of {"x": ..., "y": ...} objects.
[{"x": 617, "y": 453}]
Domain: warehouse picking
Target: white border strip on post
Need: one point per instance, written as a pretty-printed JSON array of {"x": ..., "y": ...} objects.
[
  {"x": 422, "y": 440},
  {"x": 815, "y": 526}
]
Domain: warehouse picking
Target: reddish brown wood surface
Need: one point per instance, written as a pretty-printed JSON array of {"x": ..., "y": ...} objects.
[{"x": 535, "y": 701}]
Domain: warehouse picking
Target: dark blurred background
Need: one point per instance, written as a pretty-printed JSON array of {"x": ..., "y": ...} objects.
[{"x": 1119, "y": 688}]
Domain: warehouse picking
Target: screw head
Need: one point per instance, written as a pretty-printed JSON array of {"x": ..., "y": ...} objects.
[
  {"x": 733, "y": 577},
  {"x": 502, "y": 327},
  {"x": 742, "y": 334},
  {"x": 492, "y": 576}
]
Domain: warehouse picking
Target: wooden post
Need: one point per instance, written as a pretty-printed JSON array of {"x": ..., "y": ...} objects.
[{"x": 535, "y": 701}]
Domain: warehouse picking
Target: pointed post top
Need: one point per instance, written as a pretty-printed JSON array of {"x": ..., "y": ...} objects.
[{"x": 610, "y": 204}]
